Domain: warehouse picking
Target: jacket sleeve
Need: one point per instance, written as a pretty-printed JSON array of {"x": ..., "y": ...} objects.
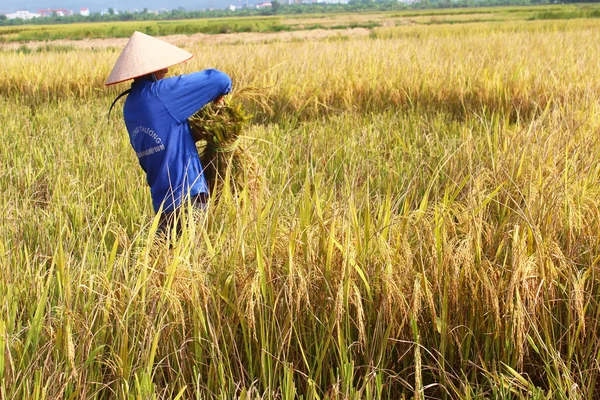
[{"x": 185, "y": 94}]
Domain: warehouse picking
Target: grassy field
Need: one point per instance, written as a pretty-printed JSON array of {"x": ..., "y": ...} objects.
[
  {"x": 80, "y": 31},
  {"x": 125, "y": 29},
  {"x": 427, "y": 225}
]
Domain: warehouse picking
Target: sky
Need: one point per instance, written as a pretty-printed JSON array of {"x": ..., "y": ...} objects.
[{"x": 9, "y": 6}]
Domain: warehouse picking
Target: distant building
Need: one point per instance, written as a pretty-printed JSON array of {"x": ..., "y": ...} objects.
[
  {"x": 230, "y": 7},
  {"x": 264, "y": 5},
  {"x": 85, "y": 12},
  {"x": 22, "y": 15},
  {"x": 59, "y": 12}
]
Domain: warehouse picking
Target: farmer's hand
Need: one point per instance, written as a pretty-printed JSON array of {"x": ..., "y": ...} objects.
[{"x": 219, "y": 100}]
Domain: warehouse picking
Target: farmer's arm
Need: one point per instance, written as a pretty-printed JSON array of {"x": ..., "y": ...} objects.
[{"x": 185, "y": 94}]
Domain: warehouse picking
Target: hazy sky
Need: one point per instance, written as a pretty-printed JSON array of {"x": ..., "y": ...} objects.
[{"x": 8, "y": 6}]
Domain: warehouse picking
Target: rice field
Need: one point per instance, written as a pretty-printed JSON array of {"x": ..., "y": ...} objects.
[
  {"x": 426, "y": 225},
  {"x": 287, "y": 21}
]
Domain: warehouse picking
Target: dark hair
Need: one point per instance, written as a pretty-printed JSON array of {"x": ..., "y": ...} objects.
[{"x": 149, "y": 77}]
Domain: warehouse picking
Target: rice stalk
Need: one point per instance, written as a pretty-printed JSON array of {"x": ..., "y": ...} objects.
[{"x": 217, "y": 130}]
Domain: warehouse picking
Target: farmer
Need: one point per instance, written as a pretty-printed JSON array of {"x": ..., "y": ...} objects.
[{"x": 156, "y": 113}]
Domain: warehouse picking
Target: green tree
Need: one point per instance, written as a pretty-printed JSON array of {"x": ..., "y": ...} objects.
[
  {"x": 3, "y": 17},
  {"x": 111, "y": 11},
  {"x": 275, "y": 6}
]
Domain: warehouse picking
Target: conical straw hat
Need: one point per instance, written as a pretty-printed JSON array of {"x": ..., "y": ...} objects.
[{"x": 143, "y": 55}]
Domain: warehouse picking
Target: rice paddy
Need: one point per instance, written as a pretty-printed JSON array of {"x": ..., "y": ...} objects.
[{"x": 426, "y": 225}]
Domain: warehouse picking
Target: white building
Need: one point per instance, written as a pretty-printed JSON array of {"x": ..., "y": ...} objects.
[
  {"x": 23, "y": 15},
  {"x": 264, "y": 5},
  {"x": 85, "y": 12}
]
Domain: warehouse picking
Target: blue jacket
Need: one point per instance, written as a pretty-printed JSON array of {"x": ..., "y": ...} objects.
[{"x": 156, "y": 116}]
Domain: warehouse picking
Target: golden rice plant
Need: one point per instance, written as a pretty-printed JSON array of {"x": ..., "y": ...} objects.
[{"x": 432, "y": 228}]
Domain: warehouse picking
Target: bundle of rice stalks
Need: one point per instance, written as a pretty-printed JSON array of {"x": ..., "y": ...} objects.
[{"x": 217, "y": 130}]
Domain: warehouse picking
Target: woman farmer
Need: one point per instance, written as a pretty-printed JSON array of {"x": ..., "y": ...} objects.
[{"x": 156, "y": 113}]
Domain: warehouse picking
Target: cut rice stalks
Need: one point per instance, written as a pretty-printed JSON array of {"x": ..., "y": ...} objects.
[{"x": 217, "y": 130}]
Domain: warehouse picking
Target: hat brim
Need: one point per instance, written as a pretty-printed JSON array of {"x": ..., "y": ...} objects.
[
  {"x": 144, "y": 55},
  {"x": 146, "y": 73}
]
